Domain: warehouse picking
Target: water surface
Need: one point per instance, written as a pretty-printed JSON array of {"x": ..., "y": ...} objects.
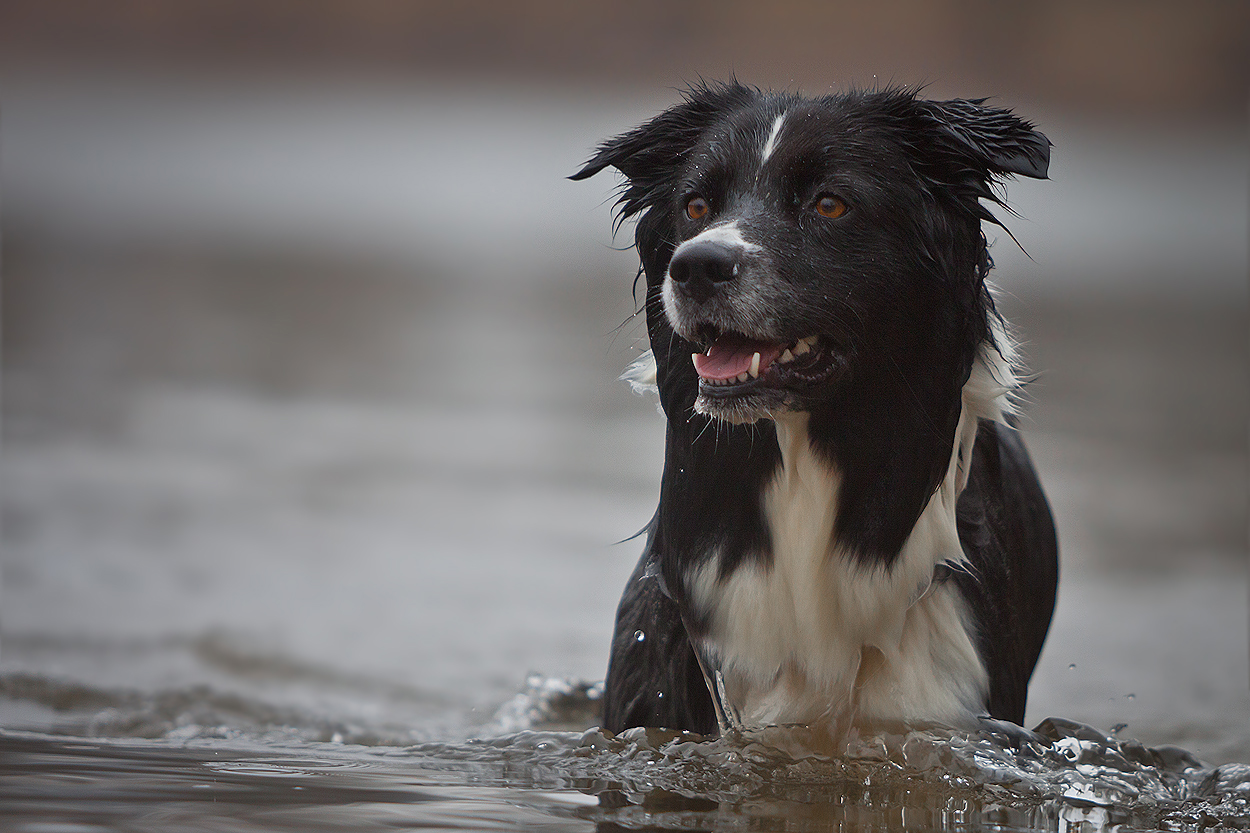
[{"x": 314, "y": 453}]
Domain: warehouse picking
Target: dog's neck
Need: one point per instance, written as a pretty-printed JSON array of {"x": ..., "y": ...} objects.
[
  {"x": 812, "y": 633},
  {"x": 808, "y": 489},
  {"x": 716, "y": 475}
]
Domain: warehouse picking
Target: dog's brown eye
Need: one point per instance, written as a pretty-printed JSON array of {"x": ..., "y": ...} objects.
[
  {"x": 697, "y": 208},
  {"x": 831, "y": 207}
]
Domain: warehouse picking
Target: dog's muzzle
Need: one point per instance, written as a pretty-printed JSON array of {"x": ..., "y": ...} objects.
[
  {"x": 722, "y": 295},
  {"x": 699, "y": 267},
  {"x": 717, "y": 282}
]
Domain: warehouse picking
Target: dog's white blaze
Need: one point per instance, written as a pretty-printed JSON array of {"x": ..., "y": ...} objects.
[
  {"x": 770, "y": 144},
  {"x": 818, "y": 638},
  {"x": 728, "y": 235}
]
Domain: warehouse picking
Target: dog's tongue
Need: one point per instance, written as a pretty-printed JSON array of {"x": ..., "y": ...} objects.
[{"x": 730, "y": 356}]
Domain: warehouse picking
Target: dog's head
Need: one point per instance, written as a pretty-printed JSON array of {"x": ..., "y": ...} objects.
[{"x": 791, "y": 245}]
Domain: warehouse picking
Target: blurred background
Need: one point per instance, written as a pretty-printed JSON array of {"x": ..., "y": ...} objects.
[{"x": 309, "y": 349}]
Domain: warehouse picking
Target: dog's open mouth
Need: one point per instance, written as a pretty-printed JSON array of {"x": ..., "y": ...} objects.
[{"x": 733, "y": 364}]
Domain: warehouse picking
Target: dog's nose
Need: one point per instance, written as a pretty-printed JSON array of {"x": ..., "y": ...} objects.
[{"x": 698, "y": 268}]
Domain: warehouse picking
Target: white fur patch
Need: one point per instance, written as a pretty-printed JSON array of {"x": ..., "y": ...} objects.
[
  {"x": 728, "y": 235},
  {"x": 817, "y": 637},
  {"x": 770, "y": 144},
  {"x": 988, "y": 393},
  {"x": 641, "y": 374},
  {"x": 994, "y": 382}
]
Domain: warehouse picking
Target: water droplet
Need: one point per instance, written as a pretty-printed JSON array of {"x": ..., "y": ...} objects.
[
  {"x": 660, "y": 694},
  {"x": 639, "y": 636},
  {"x": 1131, "y": 696},
  {"x": 1072, "y": 666}
]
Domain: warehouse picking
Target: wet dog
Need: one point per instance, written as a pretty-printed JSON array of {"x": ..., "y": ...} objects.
[{"x": 850, "y": 531}]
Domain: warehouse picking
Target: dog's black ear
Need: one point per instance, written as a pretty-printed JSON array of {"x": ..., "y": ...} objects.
[
  {"x": 965, "y": 147},
  {"x": 991, "y": 141},
  {"x": 649, "y": 155}
]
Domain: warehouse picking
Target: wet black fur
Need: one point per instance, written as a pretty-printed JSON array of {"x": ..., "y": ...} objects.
[{"x": 899, "y": 283}]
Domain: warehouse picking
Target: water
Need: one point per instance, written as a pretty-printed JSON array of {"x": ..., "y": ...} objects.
[
  {"x": 1073, "y": 778},
  {"x": 315, "y": 464}
]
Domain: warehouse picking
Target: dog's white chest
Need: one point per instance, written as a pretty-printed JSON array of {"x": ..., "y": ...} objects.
[{"x": 811, "y": 636}]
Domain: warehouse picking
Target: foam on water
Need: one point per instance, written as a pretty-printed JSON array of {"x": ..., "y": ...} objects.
[
  {"x": 667, "y": 778},
  {"x": 1070, "y": 771}
]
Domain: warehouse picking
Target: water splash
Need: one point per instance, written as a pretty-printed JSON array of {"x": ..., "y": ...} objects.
[
  {"x": 1068, "y": 776},
  {"x": 549, "y": 703}
]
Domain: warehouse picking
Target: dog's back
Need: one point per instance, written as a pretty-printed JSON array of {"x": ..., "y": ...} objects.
[{"x": 849, "y": 530}]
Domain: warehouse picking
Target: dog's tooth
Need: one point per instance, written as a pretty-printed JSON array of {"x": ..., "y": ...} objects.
[
  {"x": 755, "y": 365},
  {"x": 801, "y": 346},
  {"x": 811, "y": 341},
  {"x": 786, "y": 356},
  {"x": 743, "y": 376}
]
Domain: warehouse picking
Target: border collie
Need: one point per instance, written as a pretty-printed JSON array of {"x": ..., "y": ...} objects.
[{"x": 850, "y": 532}]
